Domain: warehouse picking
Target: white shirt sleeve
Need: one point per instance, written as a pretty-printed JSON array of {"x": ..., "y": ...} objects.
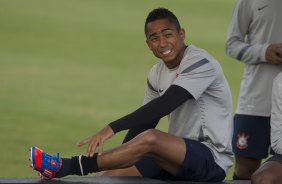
[
  {"x": 196, "y": 78},
  {"x": 151, "y": 89}
]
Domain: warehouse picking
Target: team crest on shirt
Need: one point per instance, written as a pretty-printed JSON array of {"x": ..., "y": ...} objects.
[{"x": 242, "y": 141}]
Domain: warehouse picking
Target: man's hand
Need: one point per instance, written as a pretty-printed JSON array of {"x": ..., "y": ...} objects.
[
  {"x": 97, "y": 140},
  {"x": 274, "y": 53}
]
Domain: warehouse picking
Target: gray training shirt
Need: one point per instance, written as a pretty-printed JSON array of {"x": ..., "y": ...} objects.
[
  {"x": 276, "y": 115},
  {"x": 206, "y": 118}
]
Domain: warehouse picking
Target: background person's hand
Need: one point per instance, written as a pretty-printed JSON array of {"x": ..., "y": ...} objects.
[
  {"x": 274, "y": 53},
  {"x": 97, "y": 140}
]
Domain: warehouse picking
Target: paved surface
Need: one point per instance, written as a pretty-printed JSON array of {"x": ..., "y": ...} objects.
[{"x": 107, "y": 180}]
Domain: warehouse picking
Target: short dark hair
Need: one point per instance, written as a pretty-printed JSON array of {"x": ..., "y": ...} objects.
[{"x": 161, "y": 13}]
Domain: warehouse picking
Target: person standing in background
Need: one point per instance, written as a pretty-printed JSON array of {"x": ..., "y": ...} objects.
[
  {"x": 254, "y": 38},
  {"x": 270, "y": 171}
]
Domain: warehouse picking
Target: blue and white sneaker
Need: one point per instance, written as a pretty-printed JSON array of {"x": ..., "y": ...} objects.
[{"x": 46, "y": 164}]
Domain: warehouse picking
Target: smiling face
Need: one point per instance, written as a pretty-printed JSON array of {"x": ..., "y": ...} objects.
[{"x": 165, "y": 41}]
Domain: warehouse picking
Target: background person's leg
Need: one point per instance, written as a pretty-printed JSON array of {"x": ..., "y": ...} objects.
[
  {"x": 250, "y": 142},
  {"x": 245, "y": 167},
  {"x": 269, "y": 173}
]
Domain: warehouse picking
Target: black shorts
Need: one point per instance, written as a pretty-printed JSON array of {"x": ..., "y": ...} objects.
[
  {"x": 251, "y": 136},
  {"x": 198, "y": 165},
  {"x": 276, "y": 157}
]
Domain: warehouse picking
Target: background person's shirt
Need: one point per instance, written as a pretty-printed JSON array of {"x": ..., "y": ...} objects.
[
  {"x": 254, "y": 25},
  {"x": 276, "y": 115}
]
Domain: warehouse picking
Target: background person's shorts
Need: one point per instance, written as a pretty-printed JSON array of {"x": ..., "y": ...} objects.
[
  {"x": 251, "y": 136},
  {"x": 276, "y": 157},
  {"x": 198, "y": 165}
]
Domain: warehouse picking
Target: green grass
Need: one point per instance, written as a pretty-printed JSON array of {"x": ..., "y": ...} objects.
[{"x": 69, "y": 67}]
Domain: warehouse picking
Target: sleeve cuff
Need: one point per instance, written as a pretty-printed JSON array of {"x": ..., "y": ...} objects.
[{"x": 262, "y": 55}]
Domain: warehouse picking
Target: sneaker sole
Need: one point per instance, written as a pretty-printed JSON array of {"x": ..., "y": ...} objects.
[{"x": 31, "y": 156}]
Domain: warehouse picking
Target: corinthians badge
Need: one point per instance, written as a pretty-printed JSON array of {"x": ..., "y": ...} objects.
[{"x": 242, "y": 141}]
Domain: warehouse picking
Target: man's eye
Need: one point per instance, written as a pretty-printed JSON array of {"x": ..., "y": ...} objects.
[
  {"x": 154, "y": 39},
  {"x": 168, "y": 34}
]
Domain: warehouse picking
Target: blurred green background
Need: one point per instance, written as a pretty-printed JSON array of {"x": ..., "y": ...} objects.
[{"x": 69, "y": 67}]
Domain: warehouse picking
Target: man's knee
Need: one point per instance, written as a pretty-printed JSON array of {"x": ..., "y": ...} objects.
[
  {"x": 262, "y": 177},
  {"x": 148, "y": 138}
]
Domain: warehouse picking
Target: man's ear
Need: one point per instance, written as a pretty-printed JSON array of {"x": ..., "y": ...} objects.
[
  {"x": 182, "y": 34},
  {"x": 147, "y": 41}
]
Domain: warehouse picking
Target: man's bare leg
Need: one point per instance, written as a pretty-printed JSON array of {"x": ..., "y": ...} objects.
[
  {"x": 245, "y": 167},
  {"x": 131, "y": 171},
  {"x": 168, "y": 150},
  {"x": 268, "y": 173}
]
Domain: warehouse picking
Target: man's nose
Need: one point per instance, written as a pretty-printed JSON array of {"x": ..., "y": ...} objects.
[{"x": 162, "y": 42}]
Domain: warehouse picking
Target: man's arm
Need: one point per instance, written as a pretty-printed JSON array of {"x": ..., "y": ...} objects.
[
  {"x": 154, "y": 110},
  {"x": 146, "y": 116},
  {"x": 236, "y": 45}
]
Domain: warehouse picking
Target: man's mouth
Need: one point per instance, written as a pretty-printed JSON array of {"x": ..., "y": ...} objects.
[{"x": 166, "y": 52}]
